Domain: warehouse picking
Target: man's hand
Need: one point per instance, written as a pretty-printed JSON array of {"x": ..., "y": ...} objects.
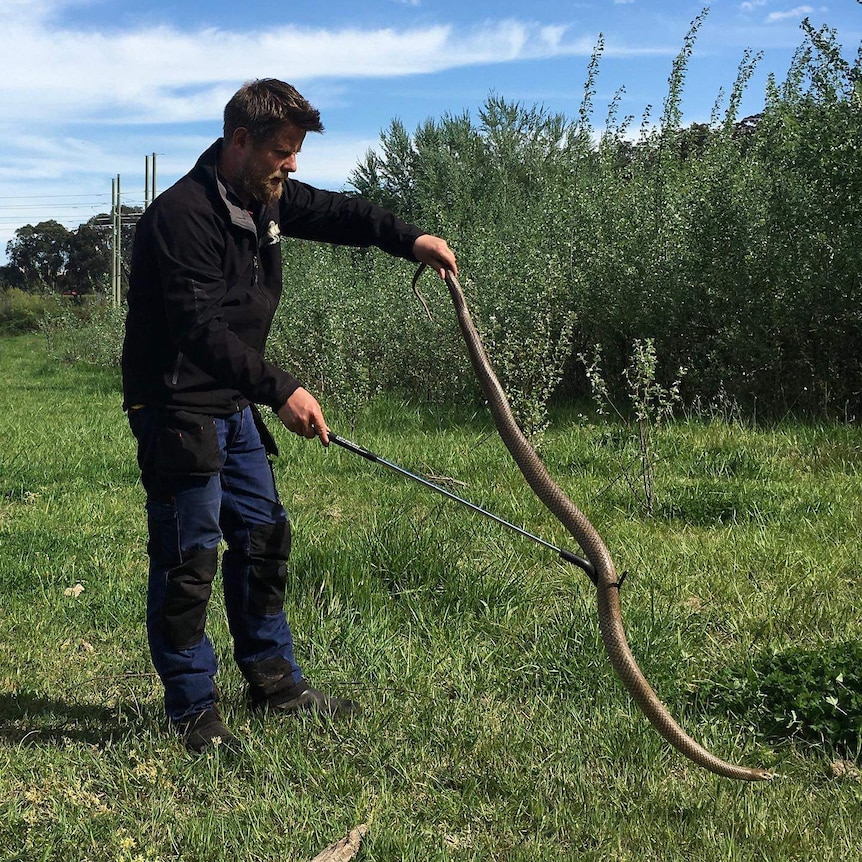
[
  {"x": 302, "y": 414},
  {"x": 435, "y": 253}
]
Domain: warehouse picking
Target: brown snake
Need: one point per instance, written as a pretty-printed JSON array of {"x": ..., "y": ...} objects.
[{"x": 607, "y": 582}]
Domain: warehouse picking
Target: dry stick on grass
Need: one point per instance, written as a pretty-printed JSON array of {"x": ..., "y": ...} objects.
[{"x": 344, "y": 849}]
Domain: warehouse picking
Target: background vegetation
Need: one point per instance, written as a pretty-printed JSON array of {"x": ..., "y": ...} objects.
[
  {"x": 732, "y": 246},
  {"x": 50, "y": 259}
]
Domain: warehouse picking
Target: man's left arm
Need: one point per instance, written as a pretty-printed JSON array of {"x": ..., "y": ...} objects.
[{"x": 307, "y": 212}]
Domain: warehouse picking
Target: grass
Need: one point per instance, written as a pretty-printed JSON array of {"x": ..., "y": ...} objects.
[{"x": 493, "y": 726}]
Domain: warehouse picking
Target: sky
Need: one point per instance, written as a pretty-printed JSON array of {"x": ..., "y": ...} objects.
[{"x": 90, "y": 88}]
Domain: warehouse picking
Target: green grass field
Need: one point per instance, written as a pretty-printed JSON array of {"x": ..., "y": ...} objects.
[{"x": 493, "y": 726}]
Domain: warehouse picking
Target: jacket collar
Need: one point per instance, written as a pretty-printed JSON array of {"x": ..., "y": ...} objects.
[{"x": 239, "y": 215}]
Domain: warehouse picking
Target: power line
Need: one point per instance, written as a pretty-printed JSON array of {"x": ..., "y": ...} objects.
[
  {"x": 51, "y": 197},
  {"x": 67, "y": 214},
  {"x": 6, "y": 207}
]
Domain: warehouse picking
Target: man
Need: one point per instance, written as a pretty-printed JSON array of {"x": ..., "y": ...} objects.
[{"x": 205, "y": 281}]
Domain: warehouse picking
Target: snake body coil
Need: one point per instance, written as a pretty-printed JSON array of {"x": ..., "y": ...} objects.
[{"x": 610, "y": 619}]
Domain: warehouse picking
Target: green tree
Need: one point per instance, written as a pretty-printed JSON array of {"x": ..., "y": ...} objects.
[
  {"x": 39, "y": 254},
  {"x": 49, "y": 258},
  {"x": 89, "y": 264},
  {"x": 503, "y": 190}
]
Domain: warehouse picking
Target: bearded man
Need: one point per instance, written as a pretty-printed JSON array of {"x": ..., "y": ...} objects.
[{"x": 205, "y": 281}]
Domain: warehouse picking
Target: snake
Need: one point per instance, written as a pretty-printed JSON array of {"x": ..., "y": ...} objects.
[{"x": 604, "y": 574}]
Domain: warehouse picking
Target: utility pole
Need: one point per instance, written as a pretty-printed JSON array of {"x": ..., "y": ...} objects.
[
  {"x": 149, "y": 172},
  {"x": 116, "y": 237},
  {"x": 117, "y": 223}
]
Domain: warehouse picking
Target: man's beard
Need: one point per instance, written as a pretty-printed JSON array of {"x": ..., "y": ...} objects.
[{"x": 264, "y": 187}]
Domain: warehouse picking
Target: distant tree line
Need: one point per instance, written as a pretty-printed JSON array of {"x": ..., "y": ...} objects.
[{"x": 50, "y": 258}]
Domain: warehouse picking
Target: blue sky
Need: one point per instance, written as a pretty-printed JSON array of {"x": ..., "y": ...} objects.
[{"x": 90, "y": 87}]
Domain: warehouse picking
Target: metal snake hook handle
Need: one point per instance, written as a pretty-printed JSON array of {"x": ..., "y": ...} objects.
[{"x": 607, "y": 582}]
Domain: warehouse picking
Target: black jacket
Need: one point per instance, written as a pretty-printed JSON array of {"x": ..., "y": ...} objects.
[{"x": 205, "y": 281}]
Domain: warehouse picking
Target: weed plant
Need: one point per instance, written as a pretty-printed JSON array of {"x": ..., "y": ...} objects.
[
  {"x": 650, "y": 404},
  {"x": 493, "y": 726},
  {"x": 814, "y": 694}
]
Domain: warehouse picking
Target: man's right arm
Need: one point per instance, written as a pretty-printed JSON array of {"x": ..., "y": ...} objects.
[{"x": 302, "y": 414}]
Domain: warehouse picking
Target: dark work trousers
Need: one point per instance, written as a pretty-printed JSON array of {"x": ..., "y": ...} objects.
[{"x": 209, "y": 479}]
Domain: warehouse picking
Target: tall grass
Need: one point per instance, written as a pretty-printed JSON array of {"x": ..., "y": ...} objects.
[
  {"x": 22, "y": 311},
  {"x": 493, "y": 726}
]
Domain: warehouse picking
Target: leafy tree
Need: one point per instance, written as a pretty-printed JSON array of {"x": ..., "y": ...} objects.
[
  {"x": 40, "y": 254},
  {"x": 49, "y": 258},
  {"x": 503, "y": 190},
  {"x": 89, "y": 265}
]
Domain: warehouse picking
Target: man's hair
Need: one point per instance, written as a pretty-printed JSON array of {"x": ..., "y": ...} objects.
[{"x": 262, "y": 106}]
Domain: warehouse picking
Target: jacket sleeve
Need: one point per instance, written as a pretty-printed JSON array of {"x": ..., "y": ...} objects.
[
  {"x": 310, "y": 213},
  {"x": 189, "y": 247}
]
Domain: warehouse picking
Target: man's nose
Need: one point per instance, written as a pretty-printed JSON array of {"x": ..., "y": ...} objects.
[{"x": 289, "y": 164}]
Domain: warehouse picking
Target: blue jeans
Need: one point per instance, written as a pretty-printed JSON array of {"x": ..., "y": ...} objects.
[{"x": 209, "y": 479}]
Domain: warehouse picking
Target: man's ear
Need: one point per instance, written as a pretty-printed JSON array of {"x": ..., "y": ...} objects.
[{"x": 240, "y": 138}]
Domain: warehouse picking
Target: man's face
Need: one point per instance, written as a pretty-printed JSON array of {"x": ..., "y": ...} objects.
[{"x": 266, "y": 165}]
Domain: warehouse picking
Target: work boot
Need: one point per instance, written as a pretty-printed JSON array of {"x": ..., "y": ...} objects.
[
  {"x": 204, "y": 731},
  {"x": 304, "y": 698},
  {"x": 271, "y": 686}
]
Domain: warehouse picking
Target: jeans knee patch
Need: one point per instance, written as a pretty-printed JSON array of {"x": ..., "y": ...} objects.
[
  {"x": 269, "y": 552},
  {"x": 187, "y": 593}
]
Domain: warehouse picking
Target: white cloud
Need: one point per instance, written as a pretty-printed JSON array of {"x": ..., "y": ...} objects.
[
  {"x": 83, "y": 104},
  {"x": 161, "y": 74},
  {"x": 798, "y": 12}
]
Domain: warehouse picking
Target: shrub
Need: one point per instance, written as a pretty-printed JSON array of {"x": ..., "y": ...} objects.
[
  {"x": 21, "y": 311},
  {"x": 810, "y": 694},
  {"x": 91, "y": 332}
]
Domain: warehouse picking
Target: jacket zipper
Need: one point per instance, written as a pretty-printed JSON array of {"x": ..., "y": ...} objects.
[{"x": 177, "y": 369}]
